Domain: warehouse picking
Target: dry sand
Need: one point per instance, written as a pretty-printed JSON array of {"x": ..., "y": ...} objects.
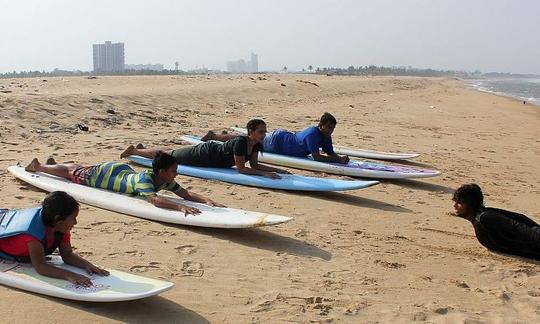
[{"x": 389, "y": 253}]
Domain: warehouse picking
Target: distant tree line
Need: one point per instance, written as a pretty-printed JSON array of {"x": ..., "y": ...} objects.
[
  {"x": 383, "y": 70},
  {"x": 58, "y": 72},
  {"x": 351, "y": 70}
]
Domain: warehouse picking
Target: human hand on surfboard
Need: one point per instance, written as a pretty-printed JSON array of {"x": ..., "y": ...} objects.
[
  {"x": 188, "y": 210},
  {"x": 78, "y": 280},
  {"x": 90, "y": 268},
  {"x": 212, "y": 203}
]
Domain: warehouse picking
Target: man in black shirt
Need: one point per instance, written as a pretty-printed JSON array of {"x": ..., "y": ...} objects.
[{"x": 497, "y": 229}]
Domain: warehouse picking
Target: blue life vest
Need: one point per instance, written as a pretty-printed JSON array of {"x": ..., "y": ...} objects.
[{"x": 25, "y": 221}]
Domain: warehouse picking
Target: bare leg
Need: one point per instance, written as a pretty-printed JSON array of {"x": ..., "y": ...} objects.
[
  {"x": 149, "y": 153},
  {"x": 59, "y": 170},
  {"x": 223, "y": 137}
]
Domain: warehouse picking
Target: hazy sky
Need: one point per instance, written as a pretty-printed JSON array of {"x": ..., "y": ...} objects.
[{"x": 489, "y": 35}]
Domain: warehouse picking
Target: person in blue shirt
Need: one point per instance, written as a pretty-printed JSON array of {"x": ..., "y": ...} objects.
[{"x": 309, "y": 141}]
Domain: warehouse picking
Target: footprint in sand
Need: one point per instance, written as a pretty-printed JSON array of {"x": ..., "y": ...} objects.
[
  {"x": 134, "y": 253},
  {"x": 355, "y": 308},
  {"x": 442, "y": 310},
  {"x": 533, "y": 293},
  {"x": 186, "y": 249},
  {"x": 300, "y": 233},
  {"x": 143, "y": 268},
  {"x": 193, "y": 269},
  {"x": 390, "y": 265}
]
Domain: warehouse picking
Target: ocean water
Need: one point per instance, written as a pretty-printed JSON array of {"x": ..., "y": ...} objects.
[{"x": 521, "y": 89}]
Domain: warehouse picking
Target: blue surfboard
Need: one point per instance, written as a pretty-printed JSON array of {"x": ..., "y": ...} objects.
[{"x": 287, "y": 181}]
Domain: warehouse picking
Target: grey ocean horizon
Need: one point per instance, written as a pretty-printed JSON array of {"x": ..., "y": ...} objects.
[{"x": 523, "y": 89}]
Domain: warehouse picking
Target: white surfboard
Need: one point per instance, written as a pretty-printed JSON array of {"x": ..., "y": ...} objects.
[
  {"x": 361, "y": 153},
  {"x": 210, "y": 217},
  {"x": 354, "y": 168},
  {"x": 118, "y": 286}
]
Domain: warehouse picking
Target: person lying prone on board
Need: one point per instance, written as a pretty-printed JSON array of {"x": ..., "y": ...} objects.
[
  {"x": 497, "y": 229},
  {"x": 235, "y": 151},
  {"x": 28, "y": 235},
  {"x": 311, "y": 140},
  {"x": 120, "y": 177}
]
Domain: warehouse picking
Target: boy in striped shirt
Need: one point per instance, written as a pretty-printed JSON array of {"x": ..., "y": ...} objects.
[{"x": 120, "y": 177}]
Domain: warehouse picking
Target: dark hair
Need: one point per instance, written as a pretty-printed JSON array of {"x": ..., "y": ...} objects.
[
  {"x": 162, "y": 161},
  {"x": 253, "y": 124},
  {"x": 327, "y": 118},
  {"x": 57, "y": 203},
  {"x": 470, "y": 195}
]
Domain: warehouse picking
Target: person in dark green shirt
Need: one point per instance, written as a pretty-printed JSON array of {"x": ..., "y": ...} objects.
[
  {"x": 234, "y": 152},
  {"x": 120, "y": 177}
]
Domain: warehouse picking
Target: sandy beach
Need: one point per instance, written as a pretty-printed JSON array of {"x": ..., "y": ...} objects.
[{"x": 388, "y": 253}]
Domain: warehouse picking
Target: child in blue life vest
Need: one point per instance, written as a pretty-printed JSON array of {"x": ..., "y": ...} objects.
[{"x": 28, "y": 235}]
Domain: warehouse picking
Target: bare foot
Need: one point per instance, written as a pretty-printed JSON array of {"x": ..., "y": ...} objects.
[
  {"x": 139, "y": 146},
  {"x": 209, "y": 136},
  {"x": 50, "y": 161},
  {"x": 127, "y": 152},
  {"x": 32, "y": 167}
]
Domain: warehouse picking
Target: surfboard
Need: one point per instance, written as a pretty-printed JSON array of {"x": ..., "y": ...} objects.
[
  {"x": 287, "y": 181},
  {"x": 118, "y": 286},
  {"x": 210, "y": 217},
  {"x": 361, "y": 153},
  {"x": 353, "y": 168}
]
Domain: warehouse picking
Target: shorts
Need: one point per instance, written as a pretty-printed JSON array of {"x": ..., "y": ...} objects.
[{"x": 81, "y": 175}]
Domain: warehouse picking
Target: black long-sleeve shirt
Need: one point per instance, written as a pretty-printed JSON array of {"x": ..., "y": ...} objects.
[{"x": 507, "y": 232}]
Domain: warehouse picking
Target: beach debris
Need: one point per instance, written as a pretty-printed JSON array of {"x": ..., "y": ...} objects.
[
  {"x": 111, "y": 111},
  {"x": 95, "y": 100},
  {"x": 283, "y": 85},
  {"x": 82, "y": 127},
  {"x": 351, "y": 106},
  {"x": 54, "y": 125},
  {"x": 91, "y": 77},
  {"x": 389, "y": 265},
  {"x": 6, "y": 91},
  {"x": 44, "y": 80},
  {"x": 307, "y": 82},
  {"x": 432, "y": 107}
]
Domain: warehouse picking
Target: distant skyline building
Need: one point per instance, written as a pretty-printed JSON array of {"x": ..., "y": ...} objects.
[
  {"x": 254, "y": 63},
  {"x": 242, "y": 66},
  {"x": 109, "y": 57},
  {"x": 144, "y": 67}
]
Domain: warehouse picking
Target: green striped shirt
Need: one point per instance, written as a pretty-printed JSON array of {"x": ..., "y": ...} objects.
[{"x": 120, "y": 177}]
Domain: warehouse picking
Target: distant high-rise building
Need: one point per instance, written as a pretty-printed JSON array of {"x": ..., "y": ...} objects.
[
  {"x": 109, "y": 57},
  {"x": 254, "y": 63},
  {"x": 242, "y": 66}
]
